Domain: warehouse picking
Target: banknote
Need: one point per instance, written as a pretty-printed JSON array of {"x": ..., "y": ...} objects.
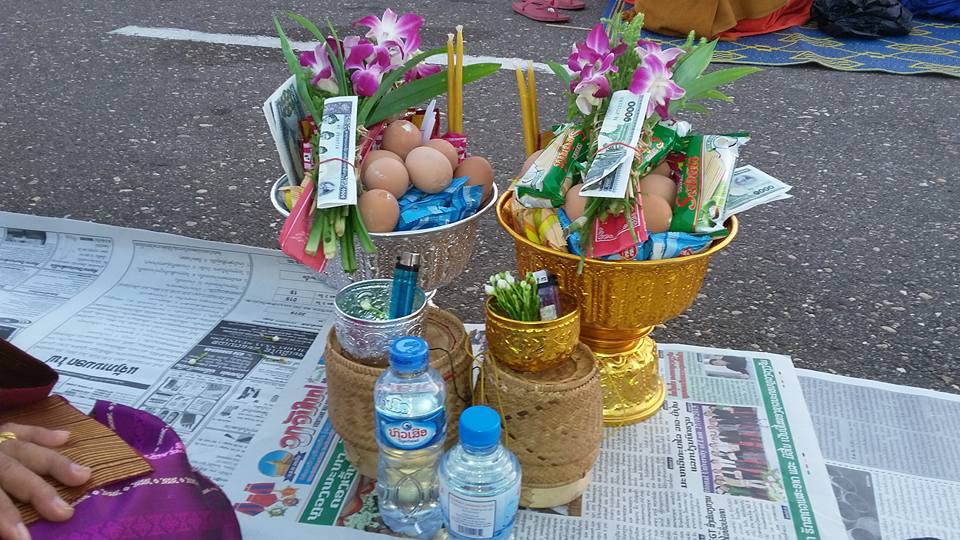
[
  {"x": 337, "y": 152},
  {"x": 609, "y": 174},
  {"x": 752, "y": 187},
  {"x": 284, "y": 111}
]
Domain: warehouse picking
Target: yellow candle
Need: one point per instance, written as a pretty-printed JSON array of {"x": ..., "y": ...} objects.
[
  {"x": 528, "y": 143},
  {"x": 532, "y": 102},
  {"x": 451, "y": 94},
  {"x": 459, "y": 84}
]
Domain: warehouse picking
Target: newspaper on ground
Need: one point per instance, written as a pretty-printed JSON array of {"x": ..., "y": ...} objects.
[
  {"x": 203, "y": 335},
  {"x": 225, "y": 342},
  {"x": 893, "y": 455}
]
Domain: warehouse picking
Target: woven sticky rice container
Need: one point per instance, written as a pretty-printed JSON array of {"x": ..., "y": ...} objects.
[
  {"x": 553, "y": 423},
  {"x": 350, "y": 387}
]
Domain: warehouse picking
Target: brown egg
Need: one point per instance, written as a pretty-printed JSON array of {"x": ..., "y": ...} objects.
[
  {"x": 663, "y": 169},
  {"x": 379, "y": 210},
  {"x": 389, "y": 174},
  {"x": 480, "y": 173},
  {"x": 659, "y": 185},
  {"x": 429, "y": 169},
  {"x": 374, "y": 155},
  {"x": 575, "y": 203},
  {"x": 400, "y": 138},
  {"x": 446, "y": 149},
  {"x": 526, "y": 164},
  {"x": 656, "y": 213}
]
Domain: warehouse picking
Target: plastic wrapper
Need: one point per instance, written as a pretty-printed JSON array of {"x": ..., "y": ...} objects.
[
  {"x": 539, "y": 225},
  {"x": 705, "y": 181},
  {"x": 862, "y": 19},
  {"x": 546, "y": 181},
  {"x": 419, "y": 210},
  {"x": 665, "y": 245}
]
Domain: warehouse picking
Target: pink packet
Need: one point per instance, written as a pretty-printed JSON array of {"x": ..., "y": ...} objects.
[
  {"x": 612, "y": 235},
  {"x": 296, "y": 229}
]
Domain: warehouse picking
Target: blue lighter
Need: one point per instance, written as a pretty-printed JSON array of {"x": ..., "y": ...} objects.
[{"x": 404, "y": 284}]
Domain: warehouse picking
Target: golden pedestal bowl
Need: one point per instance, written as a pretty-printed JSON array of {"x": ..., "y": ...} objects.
[
  {"x": 620, "y": 303},
  {"x": 533, "y": 346}
]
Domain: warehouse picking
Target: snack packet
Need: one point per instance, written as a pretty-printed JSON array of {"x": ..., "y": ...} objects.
[
  {"x": 539, "y": 225},
  {"x": 419, "y": 210},
  {"x": 546, "y": 181},
  {"x": 665, "y": 245},
  {"x": 705, "y": 181}
]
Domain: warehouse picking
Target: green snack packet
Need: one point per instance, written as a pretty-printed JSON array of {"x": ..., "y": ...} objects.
[
  {"x": 661, "y": 141},
  {"x": 546, "y": 182},
  {"x": 706, "y": 171}
]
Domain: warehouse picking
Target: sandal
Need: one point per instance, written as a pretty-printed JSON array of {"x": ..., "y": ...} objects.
[
  {"x": 540, "y": 10},
  {"x": 570, "y": 5}
]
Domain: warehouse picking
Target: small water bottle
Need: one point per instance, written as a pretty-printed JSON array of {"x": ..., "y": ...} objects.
[
  {"x": 411, "y": 428},
  {"x": 479, "y": 480}
]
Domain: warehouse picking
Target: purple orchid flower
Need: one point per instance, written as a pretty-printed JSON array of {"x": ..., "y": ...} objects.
[
  {"x": 591, "y": 89},
  {"x": 367, "y": 62},
  {"x": 668, "y": 57},
  {"x": 420, "y": 71},
  {"x": 653, "y": 77},
  {"x": 391, "y": 28},
  {"x": 318, "y": 62},
  {"x": 591, "y": 61},
  {"x": 595, "y": 49}
]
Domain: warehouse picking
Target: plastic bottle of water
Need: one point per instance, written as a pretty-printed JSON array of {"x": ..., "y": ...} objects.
[
  {"x": 411, "y": 428},
  {"x": 479, "y": 480}
]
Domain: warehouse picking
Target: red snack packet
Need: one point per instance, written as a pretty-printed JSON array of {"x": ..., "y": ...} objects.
[
  {"x": 296, "y": 229},
  {"x": 613, "y": 236}
]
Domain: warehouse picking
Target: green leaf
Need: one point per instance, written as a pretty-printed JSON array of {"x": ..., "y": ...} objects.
[
  {"x": 292, "y": 61},
  {"x": 697, "y": 88},
  {"x": 337, "y": 59},
  {"x": 561, "y": 72},
  {"x": 303, "y": 91},
  {"x": 308, "y": 24},
  {"x": 690, "y": 66},
  {"x": 390, "y": 79},
  {"x": 294, "y": 64},
  {"x": 695, "y": 107},
  {"x": 421, "y": 90},
  {"x": 716, "y": 94}
]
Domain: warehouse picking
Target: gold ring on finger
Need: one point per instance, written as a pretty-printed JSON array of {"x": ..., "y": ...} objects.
[{"x": 7, "y": 436}]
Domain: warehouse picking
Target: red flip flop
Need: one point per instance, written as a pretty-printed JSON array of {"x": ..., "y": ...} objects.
[
  {"x": 540, "y": 10},
  {"x": 570, "y": 5}
]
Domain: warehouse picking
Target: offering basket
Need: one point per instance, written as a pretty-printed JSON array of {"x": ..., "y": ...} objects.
[{"x": 620, "y": 303}]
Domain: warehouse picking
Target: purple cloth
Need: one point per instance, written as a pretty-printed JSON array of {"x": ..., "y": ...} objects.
[{"x": 176, "y": 502}]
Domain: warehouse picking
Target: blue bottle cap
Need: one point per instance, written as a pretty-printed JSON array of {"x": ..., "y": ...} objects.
[
  {"x": 479, "y": 427},
  {"x": 409, "y": 353}
]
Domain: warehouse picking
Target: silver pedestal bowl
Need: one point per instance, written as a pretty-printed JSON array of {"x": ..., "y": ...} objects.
[{"x": 444, "y": 251}]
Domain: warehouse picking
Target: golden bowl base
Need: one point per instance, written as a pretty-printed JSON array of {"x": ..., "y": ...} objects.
[{"x": 633, "y": 389}]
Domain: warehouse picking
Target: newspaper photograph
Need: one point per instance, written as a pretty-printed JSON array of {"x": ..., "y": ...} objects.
[{"x": 893, "y": 455}]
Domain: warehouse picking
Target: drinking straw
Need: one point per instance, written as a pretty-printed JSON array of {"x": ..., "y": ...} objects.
[
  {"x": 451, "y": 92},
  {"x": 532, "y": 102},
  {"x": 459, "y": 78},
  {"x": 528, "y": 143}
]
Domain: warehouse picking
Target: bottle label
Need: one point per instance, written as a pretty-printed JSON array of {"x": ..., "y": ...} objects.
[
  {"x": 405, "y": 433},
  {"x": 482, "y": 518}
]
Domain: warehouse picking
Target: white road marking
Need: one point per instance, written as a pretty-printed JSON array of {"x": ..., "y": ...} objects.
[{"x": 180, "y": 34}]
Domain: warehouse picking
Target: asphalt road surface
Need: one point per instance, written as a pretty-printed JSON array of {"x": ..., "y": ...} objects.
[{"x": 857, "y": 274}]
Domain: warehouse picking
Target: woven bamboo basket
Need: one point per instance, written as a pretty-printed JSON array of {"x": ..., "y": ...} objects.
[
  {"x": 350, "y": 387},
  {"x": 554, "y": 424}
]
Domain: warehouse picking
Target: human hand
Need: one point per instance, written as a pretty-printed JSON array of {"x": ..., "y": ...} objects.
[{"x": 23, "y": 461}]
